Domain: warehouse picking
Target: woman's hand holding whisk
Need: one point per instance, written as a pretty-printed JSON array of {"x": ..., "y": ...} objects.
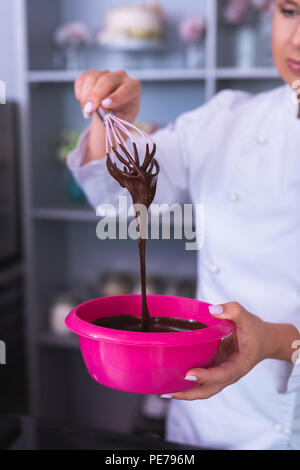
[{"x": 114, "y": 91}]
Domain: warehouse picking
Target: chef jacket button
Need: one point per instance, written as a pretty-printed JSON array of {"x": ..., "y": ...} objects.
[
  {"x": 262, "y": 140},
  {"x": 234, "y": 197},
  {"x": 278, "y": 427},
  {"x": 214, "y": 269}
]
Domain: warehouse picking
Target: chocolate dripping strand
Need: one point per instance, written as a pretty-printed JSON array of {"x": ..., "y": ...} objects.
[
  {"x": 142, "y": 253},
  {"x": 139, "y": 181}
]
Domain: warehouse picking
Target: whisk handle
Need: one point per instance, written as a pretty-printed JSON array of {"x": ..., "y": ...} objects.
[{"x": 101, "y": 113}]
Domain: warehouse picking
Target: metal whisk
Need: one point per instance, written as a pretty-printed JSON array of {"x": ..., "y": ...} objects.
[{"x": 132, "y": 167}]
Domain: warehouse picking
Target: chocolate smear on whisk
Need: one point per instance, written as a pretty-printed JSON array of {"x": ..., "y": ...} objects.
[{"x": 139, "y": 178}]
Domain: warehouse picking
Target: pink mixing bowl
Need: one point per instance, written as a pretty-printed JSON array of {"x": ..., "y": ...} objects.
[{"x": 152, "y": 363}]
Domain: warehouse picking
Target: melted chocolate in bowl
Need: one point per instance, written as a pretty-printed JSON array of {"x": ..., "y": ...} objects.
[{"x": 156, "y": 324}]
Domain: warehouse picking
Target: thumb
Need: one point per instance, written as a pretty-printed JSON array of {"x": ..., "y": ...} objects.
[{"x": 230, "y": 311}]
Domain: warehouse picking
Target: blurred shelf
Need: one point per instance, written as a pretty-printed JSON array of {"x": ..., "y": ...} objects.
[
  {"x": 66, "y": 76},
  {"x": 65, "y": 214},
  {"x": 52, "y": 76},
  {"x": 254, "y": 73},
  {"x": 82, "y": 215},
  {"x": 50, "y": 339}
]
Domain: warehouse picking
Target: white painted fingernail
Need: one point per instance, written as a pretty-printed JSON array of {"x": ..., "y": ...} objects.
[
  {"x": 192, "y": 378},
  {"x": 87, "y": 109},
  {"x": 166, "y": 396},
  {"x": 107, "y": 102},
  {"x": 215, "y": 309}
]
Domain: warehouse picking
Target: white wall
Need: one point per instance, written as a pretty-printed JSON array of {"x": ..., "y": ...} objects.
[{"x": 7, "y": 48}]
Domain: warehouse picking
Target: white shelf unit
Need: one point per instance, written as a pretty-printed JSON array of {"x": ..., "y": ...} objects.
[
  {"x": 58, "y": 245},
  {"x": 161, "y": 75}
]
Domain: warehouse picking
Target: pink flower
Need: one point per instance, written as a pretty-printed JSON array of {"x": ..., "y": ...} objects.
[
  {"x": 72, "y": 33},
  {"x": 260, "y": 5},
  {"x": 265, "y": 7},
  {"x": 191, "y": 29},
  {"x": 235, "y": 11}
]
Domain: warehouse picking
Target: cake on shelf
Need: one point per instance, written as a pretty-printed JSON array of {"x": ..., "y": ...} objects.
[{"x": 133, "y": 26}]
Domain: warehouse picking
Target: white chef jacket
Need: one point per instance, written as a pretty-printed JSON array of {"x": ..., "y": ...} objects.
[{"x": 239, "y": 155}]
